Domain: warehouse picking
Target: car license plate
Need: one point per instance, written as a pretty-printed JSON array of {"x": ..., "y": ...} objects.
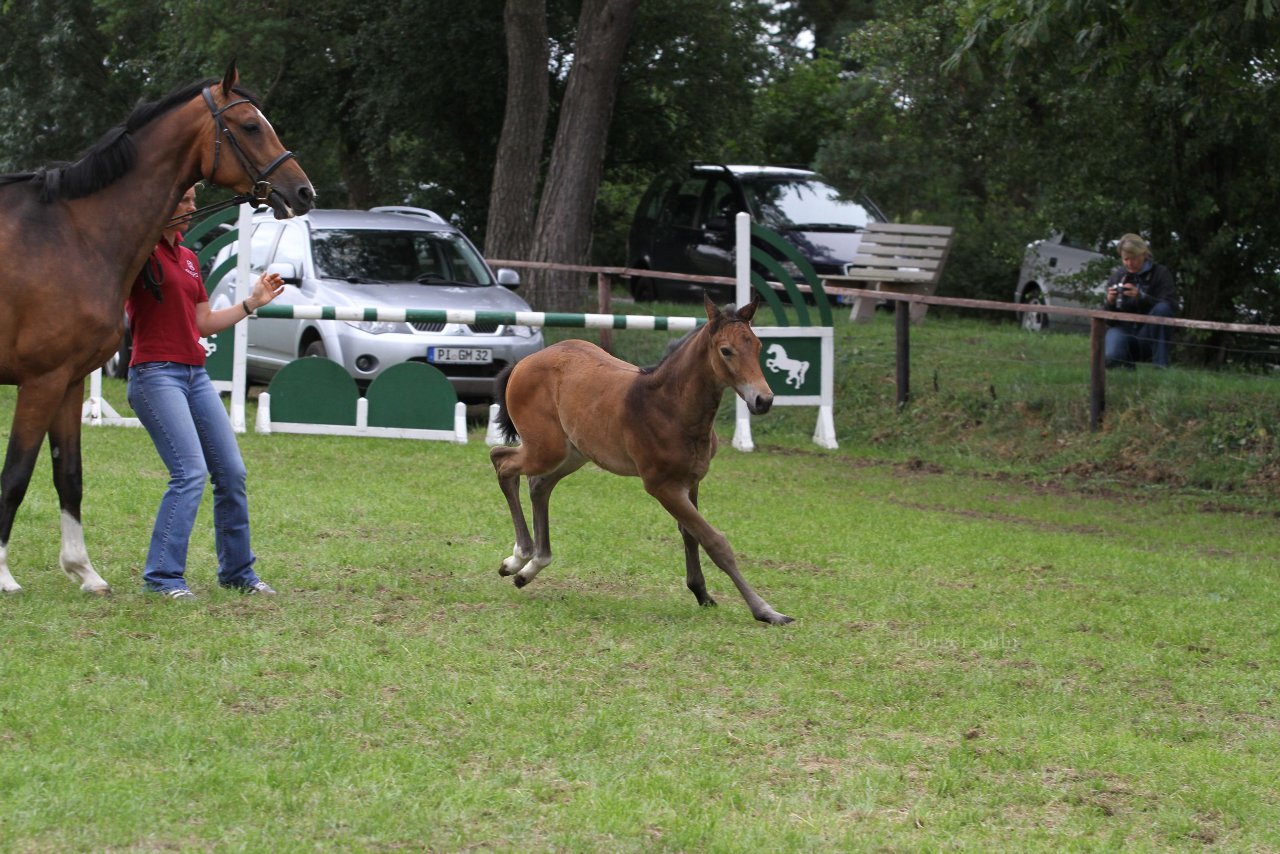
[{"x": 460, "y": 355}]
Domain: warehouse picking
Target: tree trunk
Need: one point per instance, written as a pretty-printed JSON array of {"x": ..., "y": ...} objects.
[
  {"x": 563, "y": 231},
  {"x": 353, "y": 166},
  {"x": 513, "y": 195}
]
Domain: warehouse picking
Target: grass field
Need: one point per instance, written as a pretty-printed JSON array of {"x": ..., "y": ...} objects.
[{"x": 1021, "y": 654}]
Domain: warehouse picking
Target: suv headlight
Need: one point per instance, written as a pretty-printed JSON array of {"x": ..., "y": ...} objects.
[
  {"x": 380, "y": 327},
  {"x": 522, "y": 331}
]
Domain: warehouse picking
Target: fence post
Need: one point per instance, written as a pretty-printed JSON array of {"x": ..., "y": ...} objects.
[
  {"x": 902, "y": 322},
  {"x": 1097, "y": 372},
  {"x": 604, "y": 297}
]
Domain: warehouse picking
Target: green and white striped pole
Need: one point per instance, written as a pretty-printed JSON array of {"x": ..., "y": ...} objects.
[{"x": 508, "y": 318}]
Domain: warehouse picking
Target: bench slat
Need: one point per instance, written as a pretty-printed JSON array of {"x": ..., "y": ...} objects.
[
  {"x": 907, "y": 243},
  {"x": 879, "y": 253},
  {"x": 864, "y": 276}
]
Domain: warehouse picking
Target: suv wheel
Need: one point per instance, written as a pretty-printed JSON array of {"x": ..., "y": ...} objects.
[
  {"x": 1033, "y": 321},
  {"x": 315, "y": 348}
]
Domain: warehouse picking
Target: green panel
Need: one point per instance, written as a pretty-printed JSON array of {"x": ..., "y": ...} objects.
[
  {"x": 783, "y": 361},
  {"x": 775, "y": 271},
  {"x": 210, "y": 222},
  {"x": 771, "y": 297},
  {"x": 314, "y": 391},
  {"x": 221, "y": 362},
  {"x": 219, "y": 272},
  {"x": 215, "y": 246},
  {"x": 411, "y": 395},
  {"x": 788, "y": 251}
]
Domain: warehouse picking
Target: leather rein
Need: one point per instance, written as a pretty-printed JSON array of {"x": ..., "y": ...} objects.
[{"x": 261, "y": 186}]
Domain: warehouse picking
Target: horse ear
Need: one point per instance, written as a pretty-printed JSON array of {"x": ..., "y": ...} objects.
[
  {"x": 230, "y": 79},
  {"x": 748, "y": 311},
  {"x": 713, "y": 313}
]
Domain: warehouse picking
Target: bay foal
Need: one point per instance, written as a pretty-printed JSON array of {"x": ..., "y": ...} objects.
[{"x": 573, "y": 403}]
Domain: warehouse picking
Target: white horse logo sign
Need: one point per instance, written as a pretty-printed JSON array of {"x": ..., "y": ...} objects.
[
  {"x": 792, "y": 363},
  {"x": 797, "y": 362},
  {"x": 779, "y": 362}
]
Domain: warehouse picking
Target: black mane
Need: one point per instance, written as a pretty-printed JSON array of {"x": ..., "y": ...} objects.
[
  {"x": 672, "y": 346},
  {"x": 112, "y": 156},
  {"x": 728, "y": 314}
]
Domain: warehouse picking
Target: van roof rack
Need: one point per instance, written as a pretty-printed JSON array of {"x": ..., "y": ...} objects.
[{"x": 409, "y": 211}]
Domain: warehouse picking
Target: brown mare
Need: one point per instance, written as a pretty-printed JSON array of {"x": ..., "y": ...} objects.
[
  {"x": 74, "y": 238},
  {"x": 573, "y": 403}
]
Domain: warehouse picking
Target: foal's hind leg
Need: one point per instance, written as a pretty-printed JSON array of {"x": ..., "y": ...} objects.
[
  {"x": 64, "y": 447},
  {"x": 540, "y": 487},
  {"x": 531, "y": 554},
  {"x": 508, "y": 468}
]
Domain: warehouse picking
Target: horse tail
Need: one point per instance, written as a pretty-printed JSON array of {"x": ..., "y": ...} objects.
[{"x": 505, "y": 425}]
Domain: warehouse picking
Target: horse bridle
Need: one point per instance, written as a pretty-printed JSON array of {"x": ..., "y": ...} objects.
[{"x": 262, "y": 189}]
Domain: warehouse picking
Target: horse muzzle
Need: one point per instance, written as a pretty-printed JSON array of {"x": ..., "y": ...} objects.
[
  {"x": 757, "y": 403},
  {"x": 288, "y": 202}
]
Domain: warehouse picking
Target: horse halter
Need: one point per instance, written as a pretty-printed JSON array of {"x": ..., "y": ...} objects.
[{"x": 261, "y": 187}]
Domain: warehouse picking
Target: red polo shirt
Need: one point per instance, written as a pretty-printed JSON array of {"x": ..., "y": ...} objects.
[{"x": 165, "y": 330}]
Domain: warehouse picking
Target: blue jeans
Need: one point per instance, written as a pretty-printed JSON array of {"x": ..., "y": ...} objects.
[
  {"x": 189, "y": 425},
  {"x": 1128, "y": 343}
]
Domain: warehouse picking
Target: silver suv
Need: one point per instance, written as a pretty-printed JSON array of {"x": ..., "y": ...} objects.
[
  {"x": 1060, "y": 271},
  {"x": 381, "y": 258}
]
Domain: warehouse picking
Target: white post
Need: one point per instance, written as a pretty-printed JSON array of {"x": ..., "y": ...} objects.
[
  {"x": 92, "y": 409},
  {"x": 240, "y": 334},
  {"x": 493, "y": 435},
  {"x": 460, "y": 423},
  {"x": 742, "y": 258},
  {"x": 742, "y": 272},
  {"x": 263, "y": 424}
]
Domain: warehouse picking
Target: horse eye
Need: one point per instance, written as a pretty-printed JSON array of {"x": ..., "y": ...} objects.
[
  {"x": 727, "y": 352},
  {"x": 252, "y": 127}
]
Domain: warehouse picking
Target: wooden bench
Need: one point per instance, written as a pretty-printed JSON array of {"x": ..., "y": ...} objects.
[{"x": 895, "y": 257}]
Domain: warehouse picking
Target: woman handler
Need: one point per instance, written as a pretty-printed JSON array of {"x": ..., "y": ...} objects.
[{"x": 175, "y": 400}]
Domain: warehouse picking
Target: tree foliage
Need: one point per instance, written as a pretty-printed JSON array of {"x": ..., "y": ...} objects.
[
  {"x": 1095, "y": 117},
  {"x": 1005, "y": 119},
  {"x": 1171, "y": 108}
]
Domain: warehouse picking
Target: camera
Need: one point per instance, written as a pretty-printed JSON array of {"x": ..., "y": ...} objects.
[{"x": 1118, "y": 290}]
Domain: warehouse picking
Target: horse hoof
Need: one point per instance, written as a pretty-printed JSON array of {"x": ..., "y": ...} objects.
[
  {"x": 11, "y": 591},
  {"x": 773, "y": 618},
  {"x": 521, "y": 581},
  {"x": 504, "y": 572},
  {"x": 102, "y": 592}
]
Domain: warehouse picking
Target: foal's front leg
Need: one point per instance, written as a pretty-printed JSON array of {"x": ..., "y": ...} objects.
[
  {"x": 677, "y": 502},
  {"x": 693, "y": 578}
]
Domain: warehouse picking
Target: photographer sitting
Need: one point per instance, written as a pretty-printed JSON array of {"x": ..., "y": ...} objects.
[{"x": 1139, "y": 286}]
